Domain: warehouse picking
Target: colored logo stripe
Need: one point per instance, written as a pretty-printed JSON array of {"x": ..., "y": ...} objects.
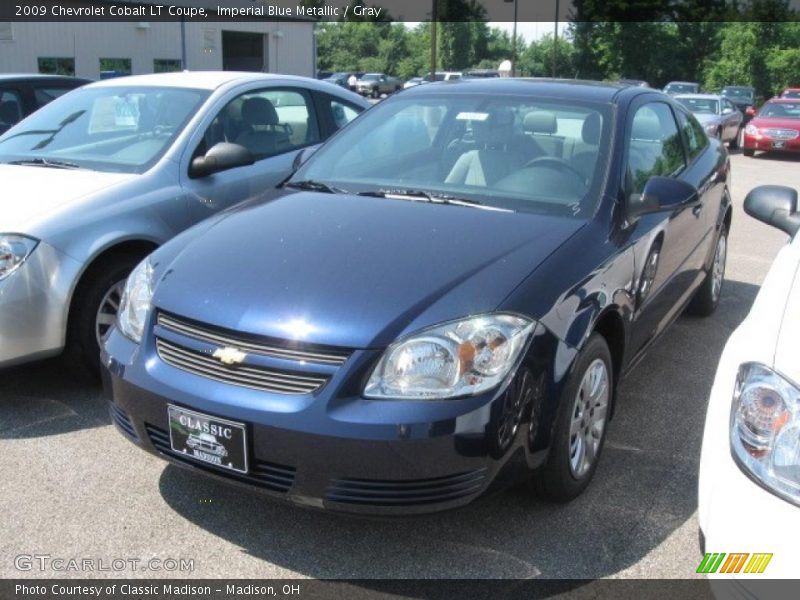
[{"x": 713, "y": 562}]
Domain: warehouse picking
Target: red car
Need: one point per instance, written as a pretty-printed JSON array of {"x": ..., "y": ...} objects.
[
  {"x": 793, "y": 93},
  {"x": 776, "y": 127}
]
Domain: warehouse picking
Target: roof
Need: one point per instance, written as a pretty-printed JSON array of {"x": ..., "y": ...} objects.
[
  {"x": 783, "y": 100},
  {"x": 698, "y": 96},
  {"x": 204, "y": 80},
  {"x": 556, "y": 88},
  {"x": 683, "y": 83},
  {"x": 6, "y": 77}
]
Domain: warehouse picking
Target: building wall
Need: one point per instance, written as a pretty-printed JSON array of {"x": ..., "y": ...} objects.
[{"x": 289, "y": 45}]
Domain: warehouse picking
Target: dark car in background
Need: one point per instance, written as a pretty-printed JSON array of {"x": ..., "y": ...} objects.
[
  {"x": 339, "y": 79},
  {"x": 444, "y": 297},
  {"x": 775, "y": 128},
  {"x": 743, "y": 98},
  {"x": 682, "y": 87},
  {"x": 21, "y": 95}
]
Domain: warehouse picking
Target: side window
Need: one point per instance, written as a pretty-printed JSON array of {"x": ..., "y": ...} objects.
[
  {"x": 10, "y": 109},
  {"x": 696, "y": 139},
  {"x": 267, "y": 122},
  {"x": 45, "y": 95},
  {"x": 342, "y": 113},
  {"x": 654, "y": 146}
]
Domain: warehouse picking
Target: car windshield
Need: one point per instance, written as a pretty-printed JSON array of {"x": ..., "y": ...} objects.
[
  {"x": 517, "y": 153},
  {"x": 370, "y": 77},
  {"x": 114, "y": 129},
  {"x": 780, "y": 110},
  {"x": 681, "y": 88},
  {"x": 701, "y": 106},
  {"x": 794, "y": 94},
  {"x": 738, "y": 93}
]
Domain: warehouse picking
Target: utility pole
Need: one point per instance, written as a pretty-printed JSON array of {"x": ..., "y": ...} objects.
[
  {"x": 433, "y": 40},
  {"x": 514, "y": 41},
  {"x": 555, "y": 42}
]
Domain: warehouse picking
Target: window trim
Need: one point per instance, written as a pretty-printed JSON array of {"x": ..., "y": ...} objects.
[{"x": 689, "y": 116}]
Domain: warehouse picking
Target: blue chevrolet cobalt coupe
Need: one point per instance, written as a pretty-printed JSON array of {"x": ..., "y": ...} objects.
[{"x": 444, "y": 297}]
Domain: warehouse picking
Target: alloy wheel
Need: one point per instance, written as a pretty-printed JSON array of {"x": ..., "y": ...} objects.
[
  {"x": 107, "y": 312},
  {"x": 718, "y": 268},
  {"x": 588, "y": 421}
]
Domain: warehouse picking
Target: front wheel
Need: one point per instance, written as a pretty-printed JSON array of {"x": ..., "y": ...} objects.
[
  {"x": 94, "y": 310},
  {"x": 581, "y": 425},
  {"x": 375, "y": 93},
  {"x": 707, "y": 297},
  {"x": 749, "y": 152},
  {"x": 736, "y": 142}
]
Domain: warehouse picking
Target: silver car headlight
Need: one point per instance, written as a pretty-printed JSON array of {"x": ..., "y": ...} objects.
[
  {"x": 712, "y": 128},
  {"x": 14, "y": 250},
  {"x": 136, "y": 301},
  {"x": 459, "y": 358},
  {"x": 765, "y": 429}
]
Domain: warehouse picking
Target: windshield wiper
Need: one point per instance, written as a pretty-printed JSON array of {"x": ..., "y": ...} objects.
[
  {"x": 45, "y": 162},
  {"x": 432, "y": 197},
  {"x": 314, "y": 186}
]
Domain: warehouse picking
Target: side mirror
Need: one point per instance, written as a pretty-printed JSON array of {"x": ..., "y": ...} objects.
[
  {"x": 727, "y": 110},
  {"x": 221, "y": 157},
  {"x": 659, "y": 194},
  {"x": 750, "y": 111},
  {"x": 302, "y": 156},
  {"x": 774, "y": 205}
]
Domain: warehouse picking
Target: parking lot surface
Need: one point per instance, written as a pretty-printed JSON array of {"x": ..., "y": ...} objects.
[{"x": 75, "y": 488}]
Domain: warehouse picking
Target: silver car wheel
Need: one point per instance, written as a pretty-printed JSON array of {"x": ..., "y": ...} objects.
[
  {"x": 718, "y": 268},
  {"x": 588, "y": 418},
  {"x": 107, "y": 313}
]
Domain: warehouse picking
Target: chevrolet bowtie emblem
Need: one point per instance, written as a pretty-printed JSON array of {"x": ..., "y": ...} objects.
[{"x": 229, "y": 356}]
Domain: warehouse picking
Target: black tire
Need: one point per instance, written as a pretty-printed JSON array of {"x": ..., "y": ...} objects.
[
  {"x": 749, "y": 152},
  {"x": 375, "y": 93},
  {"x": 706, "y": 299},
  {"x": 736, "y": 142},
  {"x": 556, "y": 480},
  {"x": 83, "y": 349}
]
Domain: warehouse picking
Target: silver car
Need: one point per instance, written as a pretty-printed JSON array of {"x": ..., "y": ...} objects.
[
  {"x": 103, "y": 175},
  {"x": 718, "y": 116}
]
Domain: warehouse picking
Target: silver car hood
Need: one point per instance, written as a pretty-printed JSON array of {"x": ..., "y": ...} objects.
[
  {"x": 33, "y": 194},
  {"x": 706, "y": 119}
]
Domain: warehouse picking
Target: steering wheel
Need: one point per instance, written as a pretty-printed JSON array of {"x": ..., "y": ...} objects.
[{"x": 557, "y": 163}]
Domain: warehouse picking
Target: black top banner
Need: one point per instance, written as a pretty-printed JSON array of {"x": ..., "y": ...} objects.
[{"x": 402, "y": 10}]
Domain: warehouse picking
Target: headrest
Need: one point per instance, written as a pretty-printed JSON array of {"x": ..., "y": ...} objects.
[
  {"x": 540, "y": 121},
  {"x": 646, "y": 128},
  {"x": 590, "y": 132},
  {"x": 259, "y": 111},
  {"x": 9, "y": 112},
  {"x": 496, "y": 129}
]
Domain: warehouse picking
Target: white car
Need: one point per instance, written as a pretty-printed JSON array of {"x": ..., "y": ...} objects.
[{"x": 749, "y": 491}]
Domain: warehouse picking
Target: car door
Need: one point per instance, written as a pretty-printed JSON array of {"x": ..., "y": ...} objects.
[
  {"x": 668, "y": 247},
  {"x": 273, "y": 122},
  {"x": 733, "y": 119}
]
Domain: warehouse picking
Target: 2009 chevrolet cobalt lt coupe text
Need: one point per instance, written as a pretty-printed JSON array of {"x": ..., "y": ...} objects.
[{"x": 448, "y": 291}]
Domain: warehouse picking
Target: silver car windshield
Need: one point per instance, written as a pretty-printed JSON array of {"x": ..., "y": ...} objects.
[
  {"x": 518, "y": 153},
  {"x": 115, "y": 129},
  {"x": 701, "y": 106}
]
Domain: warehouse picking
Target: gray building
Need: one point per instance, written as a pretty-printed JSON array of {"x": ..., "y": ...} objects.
[{"x": 87, "y": 49}]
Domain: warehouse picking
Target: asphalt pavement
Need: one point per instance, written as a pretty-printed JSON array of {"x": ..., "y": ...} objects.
[{"x": 74, "y": 488}]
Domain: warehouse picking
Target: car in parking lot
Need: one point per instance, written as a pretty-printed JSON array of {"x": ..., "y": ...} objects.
[
  {"x": 443, "y": 298},
  {"x": 413, "y": 82},
  {"x": 742, "y": 97},
  {"x": 716, "y": 114},
  {"x": 751, "y": 444},
  {"x": 375, "y": 84},
  {"x": 21, "y": 95},
  {"x": 775, "y": 128},
  {"x": 100, "y": 177},
  {"x": 791, "y": 93},
  {"x": 682, "y": 87}
]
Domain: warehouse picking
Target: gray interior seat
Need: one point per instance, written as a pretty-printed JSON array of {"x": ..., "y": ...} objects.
[
  {"x": 493, "y": 158},
  {"x": 585, "y": 157},
  {"x": 10, "y": 112},
  {"x": 263, "y": 135},
  {"x": 542, "y": 126}
]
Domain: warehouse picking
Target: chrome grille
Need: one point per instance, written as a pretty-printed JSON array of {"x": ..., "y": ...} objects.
[
  {"x": 258, "y": 378},
  {"x": 274, "y": 349},
  {"x": 781, "y": 134}
]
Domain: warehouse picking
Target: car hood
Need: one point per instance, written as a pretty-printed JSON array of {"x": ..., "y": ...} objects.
[
  {"x": 776, "y": 123},
  {"x": 31, "y": 193},
  {"x": 351, "y": 271},
  {"x": 706, "y": 119}
]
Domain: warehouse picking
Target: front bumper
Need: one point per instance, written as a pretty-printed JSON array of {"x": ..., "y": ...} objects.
[
  {"x": 34, "y": 304},
  {"x": 768, "y": 144},
  {"x": 323, "y": 450}
]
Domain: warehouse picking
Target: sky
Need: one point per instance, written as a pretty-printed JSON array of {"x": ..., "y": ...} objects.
[{"x": 529, "y": 30}]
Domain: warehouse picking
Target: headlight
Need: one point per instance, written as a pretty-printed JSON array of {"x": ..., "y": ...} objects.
[
  {"x": 136, "y": 301},
  {"x": 765, "y": 429},
  {"x": 459, "y": 358},
  {"x": 711, "y": 129},
  {"x": 751, "y": 130},
  {"x": 14, "y": 250}
]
